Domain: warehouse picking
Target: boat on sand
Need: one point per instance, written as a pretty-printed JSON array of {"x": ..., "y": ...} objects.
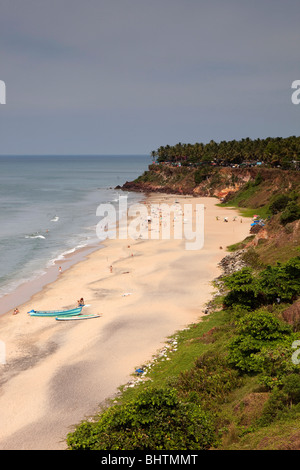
[
  {"x": 55, "y": 313},
  {"x": 76, "y": 317}
]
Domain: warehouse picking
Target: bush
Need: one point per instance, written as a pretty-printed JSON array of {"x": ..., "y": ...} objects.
[
  {"x": 276, "y": 403},
  {"x": 276, "y": 363},
  {"x": 280, "y": 398},
  {"x": 291, "y": 387},
  {"x": 202, "y": 173},
  {"x": 281, "y": 281},
  {"x": 257, "y": 334},
  {"x": 252, "y": 291},
  {"x": 279, "y": 203},
  {"x": 210, "y": 380},
  {"x": 259, "y": 179},
  {"x": 242, "y": 287},
  {"x": 155, "y": 420},
  {"x": 290, "y": 213}
]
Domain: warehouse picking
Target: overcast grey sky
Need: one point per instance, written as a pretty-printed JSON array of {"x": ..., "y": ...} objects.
[{"x": 126, "y": 76}]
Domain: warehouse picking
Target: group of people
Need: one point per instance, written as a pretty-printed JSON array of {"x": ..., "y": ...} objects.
[{"x": 226, "y": 218}]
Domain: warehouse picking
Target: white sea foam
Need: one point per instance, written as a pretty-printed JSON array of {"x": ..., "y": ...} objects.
[
  {"x": 34, "y": 190},
  {"x": 35, "y": 236}
]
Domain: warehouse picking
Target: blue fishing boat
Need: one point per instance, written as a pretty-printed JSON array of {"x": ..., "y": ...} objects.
[{"x": 55, "y": 313}]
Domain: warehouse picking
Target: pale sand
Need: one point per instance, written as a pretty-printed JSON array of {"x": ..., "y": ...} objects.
[{"x": 57, "y": 373}]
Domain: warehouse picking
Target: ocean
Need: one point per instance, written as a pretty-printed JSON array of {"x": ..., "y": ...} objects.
[{"x": 48, "y": 208}]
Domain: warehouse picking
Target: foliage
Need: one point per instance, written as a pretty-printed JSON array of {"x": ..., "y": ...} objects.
[
  {"x": 202, "y": 173},
  {"x": 242, "y": 285},
  {"x": 290, "y": 213},
  {"x": 276, "y": 403},
  {"x": 156, "y": 419},
  {"x": 257, "y": 333},
  {"x": 209, "y": 381},
  {"x": 291, "y": 386},
  {"x": 281, "y": 397},
  {"x": 280, "y": 282},
  {"x": 258, "y": 179},
  {"x": 272, "y": 151},
  {"x": 279, "y": 203}
]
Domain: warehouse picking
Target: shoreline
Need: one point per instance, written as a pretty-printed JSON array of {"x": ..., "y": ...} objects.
[
  {"x": 74, "y": 366},
  {"x": 26, "y": 290}
]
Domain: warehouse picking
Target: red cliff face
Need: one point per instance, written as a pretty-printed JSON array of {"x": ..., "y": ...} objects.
[{"x": 218, "y": 182}]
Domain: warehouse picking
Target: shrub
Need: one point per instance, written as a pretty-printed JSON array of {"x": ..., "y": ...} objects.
[
  {"x": 276, "y": 363},
  {"x": 252, "y": 291},
  {"x": 242, "y": 289},
  {"x": 281, "y": 281},
  {"x": 279, "y": 203},
  {"x": 256, "y": 333},
  {"x": 210, "y": 380},
  {"x": 202, "y": 173},
  {"x": 276, "y": 403},
  {"x": 280, "y": 398},
  {"x": 291, "y": 387},
  {"x": 259, "y": 179},
  {"x": 290, "y": 213},
  {"x": 155, "y": 420}
]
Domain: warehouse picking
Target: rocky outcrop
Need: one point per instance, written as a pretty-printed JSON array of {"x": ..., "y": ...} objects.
[
  {"x": 232, "y": 262},
  {"x": 220, "y": 182},
  {"x": 181, "y": 180}
]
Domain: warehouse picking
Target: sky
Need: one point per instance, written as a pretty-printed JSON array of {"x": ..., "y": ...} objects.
[{"x": 127, "y": 76}]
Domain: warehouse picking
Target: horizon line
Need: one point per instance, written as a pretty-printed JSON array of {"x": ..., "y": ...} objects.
[{"x": 74, "y": 154}]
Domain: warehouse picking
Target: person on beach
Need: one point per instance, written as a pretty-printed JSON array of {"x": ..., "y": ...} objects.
[
  {"x": 80, "y": 302},
  {"x": 16, "y": 310}
]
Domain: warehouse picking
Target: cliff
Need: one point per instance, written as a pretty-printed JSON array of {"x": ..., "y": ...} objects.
[
  {"x": 254, "y": 189},
  {"x": 217, "y": 182}
]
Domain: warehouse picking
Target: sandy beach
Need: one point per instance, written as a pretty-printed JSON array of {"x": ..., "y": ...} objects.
[{"x": 57, "y": 372}]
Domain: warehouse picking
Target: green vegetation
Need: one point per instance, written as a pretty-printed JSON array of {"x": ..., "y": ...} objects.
[
  {"x": 272, "y": 151},
  {"x": 200, "y": 399},
  {"x": 232, "y": 383},
  {"x": 155, "y": 419},
  {"x": 240, "y": 245},
  {"x": 274, "y": 282},
  {"x": 290, "y": 213}
]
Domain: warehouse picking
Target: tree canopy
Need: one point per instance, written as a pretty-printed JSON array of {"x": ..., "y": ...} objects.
[{"x": 272, "y": 151}]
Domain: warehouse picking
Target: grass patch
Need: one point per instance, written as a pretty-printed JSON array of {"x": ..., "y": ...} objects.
[
  {"x": 262, "y": 212},
  {"x": 240, "y": 245}
]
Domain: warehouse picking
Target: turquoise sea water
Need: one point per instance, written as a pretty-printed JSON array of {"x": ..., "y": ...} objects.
[{"x": 48, "y": 207}]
